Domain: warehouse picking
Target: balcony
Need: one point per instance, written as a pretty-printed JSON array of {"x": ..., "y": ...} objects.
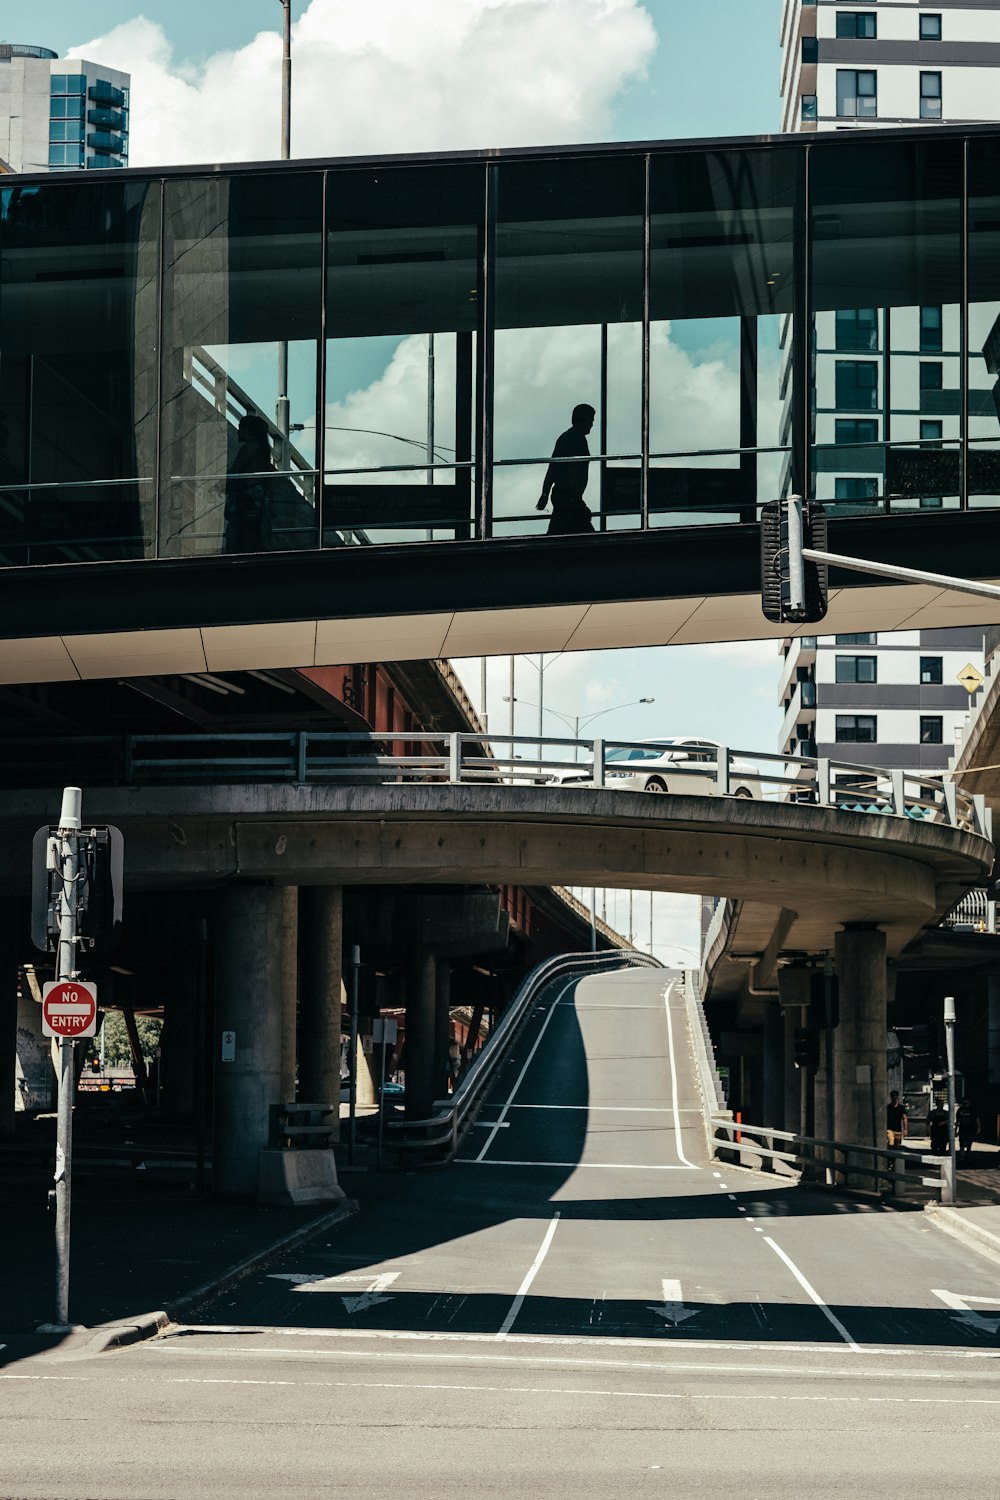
[
  {"x": 105, "y": 142},
  {"x": 801, "y": 711},
  {"x": 106, "y": 119},
  {"x": 106, "y": 93}
]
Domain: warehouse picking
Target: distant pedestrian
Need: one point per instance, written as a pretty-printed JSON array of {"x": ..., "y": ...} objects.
[
  {"x": 937, "y": 1129},
  {"x": 966, "y": 1124},
  {"x": 565, "y": 482},
  {"x": 896, "y": 1123}
]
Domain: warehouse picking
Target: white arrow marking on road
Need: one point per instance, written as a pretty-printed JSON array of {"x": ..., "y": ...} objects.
[
  {"x": 672, "y": 1309},
  {"x": 372, "y": 1297},
  {"x": 974, "y": 1321},
  {"x": 298, "y": 1278}
]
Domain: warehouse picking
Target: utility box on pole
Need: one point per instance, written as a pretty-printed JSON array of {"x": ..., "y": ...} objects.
[
  {"x": 99, "y": 890},
  {"x": 793, "y": 591}
]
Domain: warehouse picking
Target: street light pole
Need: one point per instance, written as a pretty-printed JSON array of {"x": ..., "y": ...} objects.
[
  {"x": 950, "y": 1191},
  {"x": 282, "y": 415}
]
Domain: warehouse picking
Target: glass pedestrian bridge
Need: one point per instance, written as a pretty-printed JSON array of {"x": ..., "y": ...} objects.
[{"x": 479, "y": 363}]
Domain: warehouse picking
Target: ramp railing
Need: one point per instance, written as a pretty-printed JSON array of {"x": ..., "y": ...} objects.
[{"x": 823, "y": 1162}]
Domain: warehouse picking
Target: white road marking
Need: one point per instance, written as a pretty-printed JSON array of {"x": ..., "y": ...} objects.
[
  {"x": 298, "y": 1278},
  {"x": 672, "y": 1309},
  {"x": 178, "y": 1343},
  {"x": 812, "y": 1293},
  {"x": 614, "y": 1166},
  {"x": 371, "y": 1298},
  {"x": 972, "y": 1320},
  {"x": 673, "y": 1074},
  {"x": 522, "y": 1291},
  {"x": 488, "y": 1124},
  {"x": 520, "y": 1077}
]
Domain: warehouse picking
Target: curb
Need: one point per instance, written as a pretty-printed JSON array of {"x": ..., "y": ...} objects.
[
  {"x": 134, "y": 1330},
  {"x": 950, "y": 1221}
]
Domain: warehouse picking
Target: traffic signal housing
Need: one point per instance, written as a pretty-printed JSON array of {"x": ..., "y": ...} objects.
[
  {"x": 792, "y": 590},
  {"x": 806, "y": 1047}
]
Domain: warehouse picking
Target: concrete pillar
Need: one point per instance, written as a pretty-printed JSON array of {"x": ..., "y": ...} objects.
[
  {"x": 35, "y": 1079},
  {"x": 442, "y": 1027},
  {"x": 321, "y": 913},
  {"x": 773, "y": 1101},
  {"x": 248, "y": 1003},
  {"x": 993, "y": 1031},
  {"x": 8, "y": 1027},
  {"x": 421, "y": 1003},
  {"x": 289, "y": 989},
  {"x": 793, "y": 990},
  {"x": 859, "y": 1062}
]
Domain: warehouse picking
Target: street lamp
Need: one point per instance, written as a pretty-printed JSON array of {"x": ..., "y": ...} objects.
[{"x": 576, "y": 722}]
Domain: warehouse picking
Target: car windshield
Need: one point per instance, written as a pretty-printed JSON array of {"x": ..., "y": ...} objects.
[{"x": 633, "y": 754}]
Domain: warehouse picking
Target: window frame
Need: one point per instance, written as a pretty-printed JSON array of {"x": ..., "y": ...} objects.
[
  {"x": 843, "y": 722},
  {"x": 930, "y": 16},
  {"x": 854, "y": 18},
  {"x": 928, "y": 113},
  {"x": 928, "y": 723},
  {"x": 929, "y": 666},
  {"x": 854, "y": 675}
]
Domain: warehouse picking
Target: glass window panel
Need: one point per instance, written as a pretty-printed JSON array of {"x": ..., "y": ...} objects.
[
  {"x": 241, "y": 311},
  {"x": 931, "y": 669},
  {"x": 403, "y": 309},
  {"x": 930, "y": 28},
  {"x": 722, "y": 393},
  {"x": 931, "y": 729},
  {"x": 569, "y": 285},
  {"x": 984, "y": 323},
  {"x": 930, "y": 96},
  {"x": 885, "y": 221},
  {"x": 78, "y": 320}
]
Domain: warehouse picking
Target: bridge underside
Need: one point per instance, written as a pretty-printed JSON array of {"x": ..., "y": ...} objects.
[{"x": 678, "y": 587}]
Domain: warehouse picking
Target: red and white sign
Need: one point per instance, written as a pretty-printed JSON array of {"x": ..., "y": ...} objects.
[{"x": 69, "y": 1008}]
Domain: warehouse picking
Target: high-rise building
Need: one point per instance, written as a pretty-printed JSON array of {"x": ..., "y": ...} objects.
[
  {"x": 58, "y": 112},
  {"x": 889, "y": 391},
  {"x": 888, "y": 62}
]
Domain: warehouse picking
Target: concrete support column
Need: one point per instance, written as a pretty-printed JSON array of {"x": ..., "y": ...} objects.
[
  {"x": 993, "y": 1031},
  {"x": 35, "y": 1079},
  {"x": 773, "y": 1103},
  {"x": 421, "y": 1005},
  {"x": 289, "y": 989},
  {"x": 321, "y": 944},
  {"x": 859, "y": 1062},
  {"x": 793, "y": 990},
  {"x": 248, "y": 1003},
  {"x": 442, "y": 1026}
]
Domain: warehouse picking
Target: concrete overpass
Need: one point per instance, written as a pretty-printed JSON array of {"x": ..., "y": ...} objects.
[{"x": 810, "y": 878}]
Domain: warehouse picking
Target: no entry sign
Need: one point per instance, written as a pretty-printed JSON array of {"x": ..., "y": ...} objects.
[{"x": 69, "y": 1008}]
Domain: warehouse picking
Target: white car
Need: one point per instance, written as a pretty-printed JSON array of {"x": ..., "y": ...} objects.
[{"x": 685, "y": 767}]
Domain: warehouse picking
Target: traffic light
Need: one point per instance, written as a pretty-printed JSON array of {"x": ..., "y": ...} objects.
[
  {"x": 806, "y": 1047},
  {"x": 824, "y": 998},
  {"x": 95, "y": 1064},
  {"x": 792, "y": 591}
]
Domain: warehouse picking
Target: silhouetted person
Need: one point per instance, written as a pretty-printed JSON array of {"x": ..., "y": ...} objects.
[
  {"x": 895, "y": 1121},
  {"x": 248, "y": 492},
  {"x": 937, "y": 1129},
  {"x": 566, "y": 482},
  {"x": 966, "y": 1124}
]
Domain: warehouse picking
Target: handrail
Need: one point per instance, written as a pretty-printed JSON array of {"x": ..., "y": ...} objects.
[
  {"x": 445, "y": 1128},
  {"x": 302, "y": 756},
  {"x": 834, "y": 1162}
]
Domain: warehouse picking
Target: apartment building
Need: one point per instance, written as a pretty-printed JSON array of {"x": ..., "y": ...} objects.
[
  {"x": 888, "y": 62},
  {"x": 60, "y": 112}
]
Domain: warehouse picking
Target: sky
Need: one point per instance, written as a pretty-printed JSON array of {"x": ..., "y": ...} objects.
[{"x": 394, "y": 75}]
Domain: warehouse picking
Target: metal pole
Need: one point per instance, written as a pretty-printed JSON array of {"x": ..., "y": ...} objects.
[
  {"x": 381, "y": 1094},
  {"x": 352, "y": 1107},
  {"x": 484, "y": 716},
  {"x": 541, "y": 702},
  {"x": 630, "y": 927},
  {"x": 950, "y": 1194},
  {"x": 201, "y": 933},
  {"x": 796, "y": 571},
  {"x": 593, "y": 919},
  {"x": 510, "y": 719},
  {"x": 908, "y": 575},
  {"x": 651, "y": 923},
  {"x": 69, "y": 829},
  {"x": 828, "y": 1046},
  {"x": 282, "y": 414}
]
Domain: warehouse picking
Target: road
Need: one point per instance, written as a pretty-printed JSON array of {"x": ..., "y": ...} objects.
[{"x": 583, "y": 1306}]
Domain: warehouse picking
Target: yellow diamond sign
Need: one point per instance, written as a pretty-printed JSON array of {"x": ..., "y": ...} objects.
[{"x": 971, "y": 678}]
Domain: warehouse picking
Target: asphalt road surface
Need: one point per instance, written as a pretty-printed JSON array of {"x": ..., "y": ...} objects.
[{"x": 583, "y": 1306}]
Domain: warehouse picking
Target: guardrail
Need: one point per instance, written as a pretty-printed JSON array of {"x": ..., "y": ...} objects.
[
  {"x": 300, "y": 757},
  {"x": 832, "y": 1163},
  {"x": 442, "y": 1132},
  {"x": 709, "y": 1082}
]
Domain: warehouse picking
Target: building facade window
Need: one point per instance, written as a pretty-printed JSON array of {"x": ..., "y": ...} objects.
[
  {"x": 856, "y": 385},
  {"x": 847, "y": 430},
  {"x": 857, "y": 94},
  {"x": 930, "y": 96},
  {"x": 930, "y": 28},
  {"x": 931, "y": 670},
  {"x": 851, "y": 487},
  {"x": 931, "y": 729},
  {"x": 856, "y": 329},
  {"x": 856, "y": 729},
  {"x": 809, "y": 110},
  {"x": 856, "y": 669},
  {"x": 810, "y": 49},
  {"x": 932, "y": 432},
  {"x": 931, "y": 375},
  {"x": 862, "y": 24},
  {"x": 857, "y": 638},
  {"x": 931, "y": 329}
]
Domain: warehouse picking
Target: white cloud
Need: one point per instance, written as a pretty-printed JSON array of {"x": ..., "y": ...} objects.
[{"x": 387, "y": 76}]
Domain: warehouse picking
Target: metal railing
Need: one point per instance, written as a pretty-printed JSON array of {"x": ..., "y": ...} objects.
[
  {"x": 326, "y": 756},
  {"x": 823, "y": 1162},
  {"x": 439, "y": 1136}
]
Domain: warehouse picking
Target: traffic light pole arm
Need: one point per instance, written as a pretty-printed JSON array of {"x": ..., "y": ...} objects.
[{"x": 905, "y": 575}]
